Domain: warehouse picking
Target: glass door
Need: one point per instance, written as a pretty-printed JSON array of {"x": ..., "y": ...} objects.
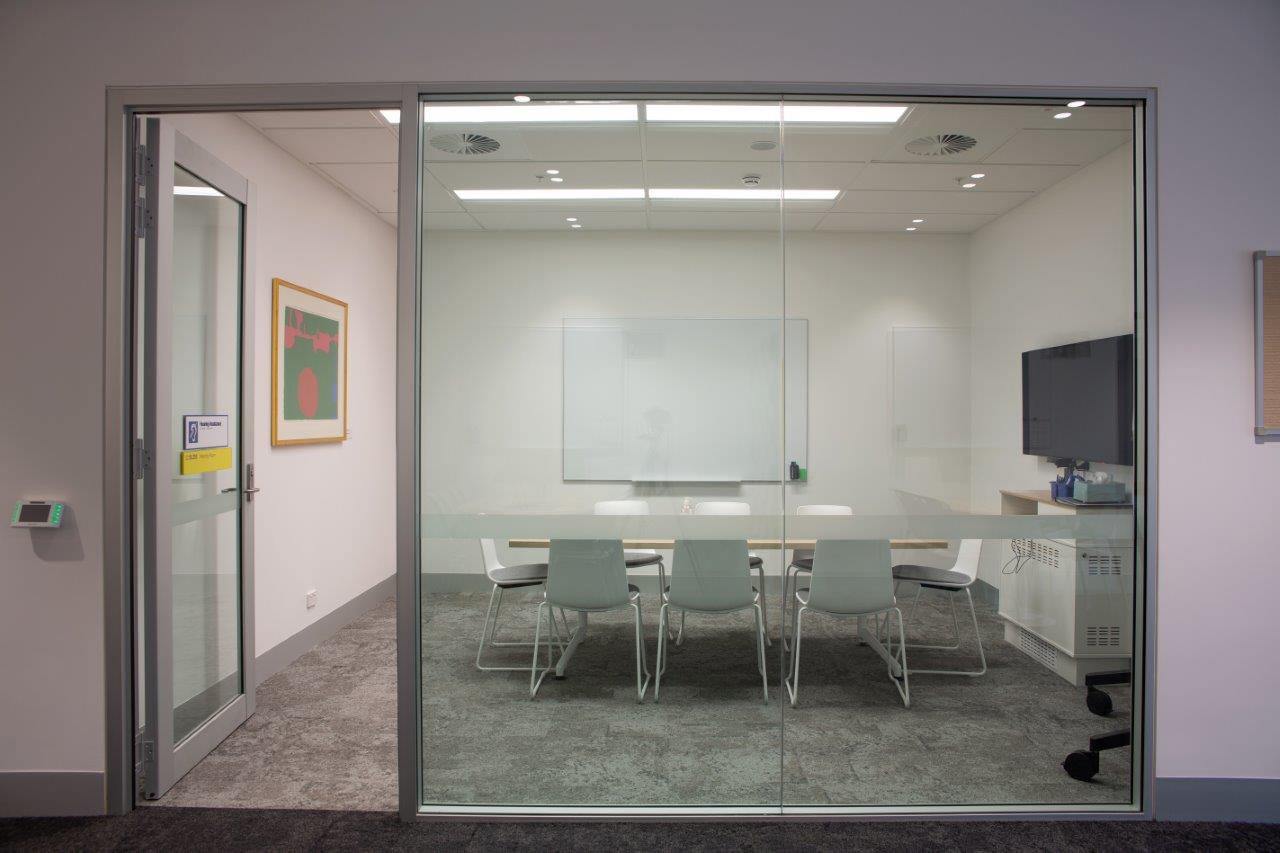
[{"x": 196, "y": 527}]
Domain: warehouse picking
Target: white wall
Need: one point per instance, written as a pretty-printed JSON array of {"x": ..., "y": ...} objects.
[
  {"x": 325, "y": 517},
  {"x": 493, "y": 375},
  {"x": 1215, "y": 68},
  {"x": 1056, "y": 269}
]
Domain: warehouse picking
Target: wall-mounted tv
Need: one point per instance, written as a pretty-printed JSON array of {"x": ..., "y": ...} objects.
[{"x": 1077, "y": 401}]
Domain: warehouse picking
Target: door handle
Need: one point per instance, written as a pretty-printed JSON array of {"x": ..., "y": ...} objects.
[
  {"x": 249, "y": 488},
  {"x": 229, "y": 491}
]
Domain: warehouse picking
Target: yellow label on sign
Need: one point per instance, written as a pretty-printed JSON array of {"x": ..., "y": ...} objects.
[{"x": 203, "y": 461}]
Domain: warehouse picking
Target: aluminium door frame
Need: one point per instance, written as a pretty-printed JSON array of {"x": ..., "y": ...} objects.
[{"x": 124, "y": 102}]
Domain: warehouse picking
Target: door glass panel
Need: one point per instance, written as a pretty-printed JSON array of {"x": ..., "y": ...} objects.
[
  {"x": 602, "y": 353},
  {"x": 205, "y": 506},
  {"x": 970, "y": 299}
]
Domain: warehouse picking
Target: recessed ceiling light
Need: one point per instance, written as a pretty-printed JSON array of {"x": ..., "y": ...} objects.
[
  {"x": 1075, "y": 105},
  {"x": 804, "y": 113},
  {"x": 969, "y": 185},
  {"x": 912, "y": 228},
  {"x": 917, "y": 221},
  {"x": 571, "y": 219},
  {"x": 522, "y": 99},
  {"x": 978, "y": 175},
  {"x": 744, "y": 195},
  {"x": 575, "y": 226},
  {"x": 557, "y": 180},
  {"x": 546, "y": 195},
  {"x": 1062, "y": 115},
  {"x": 208, "y": 191},
  {"x": 475, "y": 113},
  {"x": 553, "y": 171}
]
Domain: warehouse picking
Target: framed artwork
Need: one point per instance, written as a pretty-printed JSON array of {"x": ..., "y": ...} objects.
[{"x": 308, "y": 366}]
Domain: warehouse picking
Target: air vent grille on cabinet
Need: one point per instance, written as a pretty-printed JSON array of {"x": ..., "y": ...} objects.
[
  {"x": 1040, "y": 551},
  {"x": 465, "y": 143},
  {"x": 1102, "y": 636},
  {"x": 1037, "y": 648},
  {"x": 941, "y": 144},
  {"x": 1102, "y": 565}
]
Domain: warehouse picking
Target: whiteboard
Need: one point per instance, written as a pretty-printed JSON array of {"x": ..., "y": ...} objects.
[{"x": 684, "y": 400}]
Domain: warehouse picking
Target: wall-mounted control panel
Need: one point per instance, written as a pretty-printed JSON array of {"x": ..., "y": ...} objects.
[{"x": 37, "y": 514}]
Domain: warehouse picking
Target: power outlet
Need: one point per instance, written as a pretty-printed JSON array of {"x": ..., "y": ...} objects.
[{"x": 311, "y": 598}]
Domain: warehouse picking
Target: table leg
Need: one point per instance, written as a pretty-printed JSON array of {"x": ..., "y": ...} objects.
[{"x": 567, "y": 654}]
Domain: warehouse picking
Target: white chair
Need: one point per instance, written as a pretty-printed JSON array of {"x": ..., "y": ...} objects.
[
  {"x": 637, "y": 557},
  {"x": 853, "y": 578},
  {"x": 588, "y": 576},
  {"x": 710, "y": 576},
  {"x": 504, "y": 578},
  {"x": 735, "y": 508},
  {"x": 802, "y": 559},
  {"x": 952, "y": 581}
]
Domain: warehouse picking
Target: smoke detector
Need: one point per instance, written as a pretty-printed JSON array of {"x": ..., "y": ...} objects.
[
  {"x": 464, "y": 143},
  {"x": 941, "y": 144},
  {"x": 751, "y": 180}
]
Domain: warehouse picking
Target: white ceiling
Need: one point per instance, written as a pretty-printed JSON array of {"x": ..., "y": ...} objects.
[{"x": 1022, "y": 149}]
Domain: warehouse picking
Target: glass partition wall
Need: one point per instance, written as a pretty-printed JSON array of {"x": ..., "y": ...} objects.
[{"x": 778, "y": 454}]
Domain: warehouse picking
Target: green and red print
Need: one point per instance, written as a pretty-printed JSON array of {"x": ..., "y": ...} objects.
[{"x": 312, "y": 362}]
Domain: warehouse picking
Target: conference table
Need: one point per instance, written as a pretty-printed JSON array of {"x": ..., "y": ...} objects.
[{"x": 752, "y": 545}]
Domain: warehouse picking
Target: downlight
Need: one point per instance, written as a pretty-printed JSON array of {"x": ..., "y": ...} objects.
[
  {"x": 464, "y": 143},
  {"x": 941, "y": 144}
]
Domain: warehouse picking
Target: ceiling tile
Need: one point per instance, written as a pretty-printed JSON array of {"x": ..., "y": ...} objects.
[
  {"x": 922, "y": 201},
  {"x": 549, "y": 220},
  {"x": 1082, "y": 118},
  {"x": 935, "y": 222},
  {"x": 375, "y": 183},
  {"x": 833, "y": 176},
  {"x": 337, "y": 145},
  {"x": 449, "y": 222},
  {"x": 1059, "y": 146},
  {"x": 312, "y": 118},
  {"x": 485, "y": 176},
  {"x": 700, "y": 142},
  {"x": 732, "y": 220},
  {"x": 940, "y": 176},
  {"x": 566, "y": 143}
]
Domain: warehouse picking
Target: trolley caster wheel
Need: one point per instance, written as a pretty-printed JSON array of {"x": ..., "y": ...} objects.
[
  {"x": 1099, "y": 702},
  {"x": 1081, "y": 765}
]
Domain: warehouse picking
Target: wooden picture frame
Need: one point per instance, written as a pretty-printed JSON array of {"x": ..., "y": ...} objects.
[{"x": 309, "y": 344}]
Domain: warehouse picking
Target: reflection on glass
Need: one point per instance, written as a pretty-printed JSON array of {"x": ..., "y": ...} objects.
[
  {"x": 689, "y": 334},
  {"x": 205, "y": 516}
]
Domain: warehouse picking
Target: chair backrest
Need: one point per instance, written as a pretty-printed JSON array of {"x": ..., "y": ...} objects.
[
  {"x": 711, "y": 574},
  {"x": 586, "y": 574},
  {"x": 622, "y": 508},
  {"x": 489, "y": 553},
  {"x": 967, "y": 558},
  {"x": 722, "y": 508},
  {"x": 851, "y": 576},
  {"x": 817, "y": 509},
  {"x": 824, "y": 509}
]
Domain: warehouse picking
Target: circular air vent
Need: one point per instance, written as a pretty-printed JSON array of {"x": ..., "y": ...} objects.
[
  {"x": 465, "y": 143},
  {"x": 941, "y": 144}
]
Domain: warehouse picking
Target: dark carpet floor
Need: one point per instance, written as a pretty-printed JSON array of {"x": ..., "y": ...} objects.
[{"x": 191, "y": 829}]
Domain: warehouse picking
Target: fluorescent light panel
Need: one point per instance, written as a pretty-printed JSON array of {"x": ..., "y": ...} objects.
[
  {"x": 546, "y": 195},
  {"x": 773, "y": 113},
  {"x": 209, "y": 191},
  {"x": 520, "y": 113},
  {"x": 744, "y": 195}
]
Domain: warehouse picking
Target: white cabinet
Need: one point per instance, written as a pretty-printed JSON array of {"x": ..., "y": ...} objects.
[{"x": 1067, "y": 603}]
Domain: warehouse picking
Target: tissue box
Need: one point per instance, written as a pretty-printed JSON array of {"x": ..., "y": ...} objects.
[{"x": 1102, "y": 493}]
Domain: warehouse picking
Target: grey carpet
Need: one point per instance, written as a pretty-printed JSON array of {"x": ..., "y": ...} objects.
[
  {"x": 239, "y": 829},
  {"x": 323, "y": 736},
  {"x": 710, "y": 740}
]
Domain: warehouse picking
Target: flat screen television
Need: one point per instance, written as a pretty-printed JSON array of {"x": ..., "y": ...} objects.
[{"x": 1077, "y": 401}]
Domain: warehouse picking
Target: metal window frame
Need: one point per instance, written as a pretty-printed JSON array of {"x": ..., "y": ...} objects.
[{"x": 123, "y": 103}]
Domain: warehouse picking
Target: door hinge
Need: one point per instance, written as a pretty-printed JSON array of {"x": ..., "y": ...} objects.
[
  {"x": 144, "y": 165},
  {"x": 143, "y": 221},
  {"x": 144, "y": 760},
  {"x": 141, "y": 459}
]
